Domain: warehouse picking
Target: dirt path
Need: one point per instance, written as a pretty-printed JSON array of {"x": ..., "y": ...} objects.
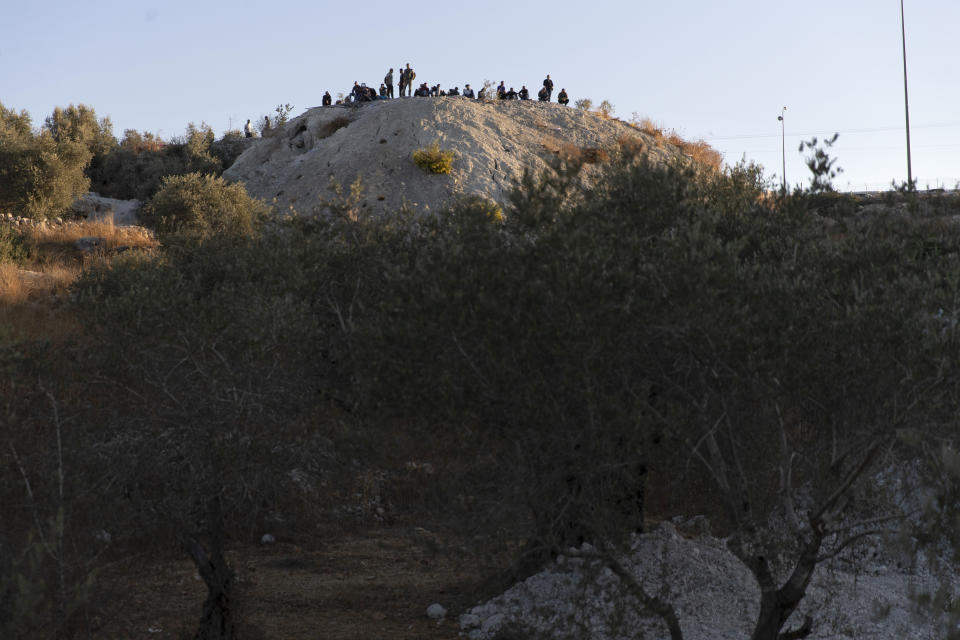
[{"x": 373, "y": 584}]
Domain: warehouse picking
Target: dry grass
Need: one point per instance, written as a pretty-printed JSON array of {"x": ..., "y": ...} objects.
[
  {"x": 698, "y": 151},
  {"x": 33, "y": 294},
  {"x": 573, "y": 154},
  {"x": 32, "y": 302},
  {"x": 67, "y": 235},
  {"x": 632, "y": 145}
]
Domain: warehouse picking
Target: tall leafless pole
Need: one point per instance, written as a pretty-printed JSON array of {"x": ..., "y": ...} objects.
[
  {"x": 906, "y": 98},
  {"x": 783, "y": 147}
]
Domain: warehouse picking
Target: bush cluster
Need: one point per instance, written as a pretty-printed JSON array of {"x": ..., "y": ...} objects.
[
  {"x": 13, "y": 248},
  {"x": 433, "y": 160},
  {"x": 42, "y": 173},
  {"x": 136, "y": 167},
  {"x": 202, "y": 204}
]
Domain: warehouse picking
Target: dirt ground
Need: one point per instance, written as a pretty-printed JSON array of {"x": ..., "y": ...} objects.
[{"x": 375, "y": 583}]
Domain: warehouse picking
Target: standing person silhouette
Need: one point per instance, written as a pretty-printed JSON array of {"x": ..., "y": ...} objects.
[
  {"x": 408, "y": 76},
  {"x": 388, "y": 82},
  {"x": 548, "y": 85}
]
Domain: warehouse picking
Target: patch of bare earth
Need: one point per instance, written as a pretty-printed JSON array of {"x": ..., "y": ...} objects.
[{"x": 369, "y": 584}]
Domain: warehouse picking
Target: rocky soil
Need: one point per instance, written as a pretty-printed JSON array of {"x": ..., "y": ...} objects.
[
  {"x": 494, "y": 143},
  {"x": 714, "y": 594}
]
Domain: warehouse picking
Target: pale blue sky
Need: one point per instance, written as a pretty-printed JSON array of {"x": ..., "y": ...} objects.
[{"x": 714, "y": 70}]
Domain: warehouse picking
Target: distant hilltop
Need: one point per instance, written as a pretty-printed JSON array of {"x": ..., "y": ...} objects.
[{"x": 493, "y": 143}]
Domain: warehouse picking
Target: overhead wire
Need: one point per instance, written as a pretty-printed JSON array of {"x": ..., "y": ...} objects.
[{"x": 826, "y": 133}]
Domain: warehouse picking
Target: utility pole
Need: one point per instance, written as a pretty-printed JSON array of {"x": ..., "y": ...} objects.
[
  {"x": 783, "y": 147},
  {"x": 906, "y": 98}
]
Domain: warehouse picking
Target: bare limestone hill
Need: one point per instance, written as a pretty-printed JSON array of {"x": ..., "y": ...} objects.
[{"x": 494, "y": 142}]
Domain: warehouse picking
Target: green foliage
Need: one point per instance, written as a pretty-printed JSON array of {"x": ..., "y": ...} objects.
[
  {"x": 590, "y": 339},
  {"x": 584, "y": 104},
  {"x": 821, "y": 165},
  {"x": 258, "y": 316},
  {"x": 228, "y": 148},
  {"x": 12, "y": 246},
  {"x": 138, "y": 142},
  {"x": 35, "y": 602},
  {"x": 577, "y": 361},
  {"x": 14, "y": 126},
  {"x": 433, "y": 160},
  {"x": 40, "y": 174},
  {"x": 136, "y": 168},
  {"x": 283, "y": 115},
  {"x": 203, "y": 205},
  {"x": 80, "y": 124}
]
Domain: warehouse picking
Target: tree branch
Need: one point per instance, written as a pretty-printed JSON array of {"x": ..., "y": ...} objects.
[{"x": 663, "y": 609}]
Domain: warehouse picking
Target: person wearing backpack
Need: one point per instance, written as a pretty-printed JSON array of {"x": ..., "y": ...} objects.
[{"x": 388, "y": 83}]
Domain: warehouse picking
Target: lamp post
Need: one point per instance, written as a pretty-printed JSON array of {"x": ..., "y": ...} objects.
[
  {"x": 906, "y": 99},
  {"x": 783, "y": 147}
]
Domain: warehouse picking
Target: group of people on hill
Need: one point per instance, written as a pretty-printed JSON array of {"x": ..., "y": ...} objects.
[{"x": 362, "y": 93}]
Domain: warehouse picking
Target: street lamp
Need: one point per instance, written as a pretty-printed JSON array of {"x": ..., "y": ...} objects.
[
  {"x": 906, "y": 99},
  {"x": 783, "y": 147}
]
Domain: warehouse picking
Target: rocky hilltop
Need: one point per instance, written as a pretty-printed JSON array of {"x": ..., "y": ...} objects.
[{"x": 494, "y": 143}]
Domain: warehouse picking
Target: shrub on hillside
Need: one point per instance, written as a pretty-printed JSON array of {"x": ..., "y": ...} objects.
[
  {"x": 41, "y": 174},
  {"x": 12, "y": 246},
  {"x": 202, "y": 204},
  {"x": 136, "y": 168},
  {"x": 433, "y": 160},
  {"x": 229, "y": 147}
]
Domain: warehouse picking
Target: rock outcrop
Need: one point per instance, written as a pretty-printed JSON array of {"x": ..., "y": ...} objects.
[{"x": 494, "y": 143}]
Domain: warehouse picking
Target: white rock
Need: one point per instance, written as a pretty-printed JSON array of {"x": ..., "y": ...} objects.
[
  {"x": 469, "y": 621},
  {"x": 436, "y": 611},
  {"x": 267, "y": 539},
  {"x": 295, "y": 166}
]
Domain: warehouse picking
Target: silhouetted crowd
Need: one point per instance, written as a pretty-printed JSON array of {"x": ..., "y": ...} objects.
[{"x": 405, "y": 88}]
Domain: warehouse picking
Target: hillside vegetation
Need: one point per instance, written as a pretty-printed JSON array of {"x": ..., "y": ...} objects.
[{"x": 586, "y": 359}]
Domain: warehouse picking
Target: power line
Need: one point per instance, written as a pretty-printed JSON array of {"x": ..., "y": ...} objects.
[{"x": 827, "y": 133}]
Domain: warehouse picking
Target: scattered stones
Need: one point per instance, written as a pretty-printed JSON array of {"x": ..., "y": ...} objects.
[
  {"x": 714, "y": 594},
  {"x": 469, "y": 621}
]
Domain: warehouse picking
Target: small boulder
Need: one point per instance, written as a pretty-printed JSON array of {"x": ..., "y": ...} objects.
[
  {"x": 267, "y": 539},
  {"x": 470, "y": 621},
  {"x": 436, "y": 611},
  {"x": 90, "y": 243}
]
